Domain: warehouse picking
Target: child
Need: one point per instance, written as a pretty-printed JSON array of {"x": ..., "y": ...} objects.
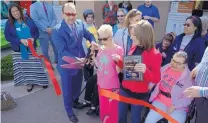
[
  {"x": 107, "y": 74},
  {"x": 164, "y": 47},
  {"x": 90, "y": 25}
]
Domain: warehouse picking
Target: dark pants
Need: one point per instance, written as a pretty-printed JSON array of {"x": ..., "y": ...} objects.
[
  {"x": 91, "y": 92},
  {"x": 88, "y": 72},
  {"x": 135, "y": 110},
  {"x": 201, "y": 110},
  {"x": 71, "y": 86}
]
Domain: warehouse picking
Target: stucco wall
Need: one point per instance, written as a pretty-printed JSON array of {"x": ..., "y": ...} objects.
[{"x": 160, "y": 27}]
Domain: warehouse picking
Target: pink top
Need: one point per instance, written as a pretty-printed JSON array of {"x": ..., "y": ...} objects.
[
  {"x": 166, "y": 83},
  {"x": 106, "y": 73}
]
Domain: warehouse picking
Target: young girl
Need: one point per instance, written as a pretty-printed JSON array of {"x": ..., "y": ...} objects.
[
  {"x": 107, "y": 74},
  {"x": 91, "y": 27}
]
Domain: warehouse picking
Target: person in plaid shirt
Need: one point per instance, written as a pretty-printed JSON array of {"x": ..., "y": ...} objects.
[{"x": 109, "y": 12}]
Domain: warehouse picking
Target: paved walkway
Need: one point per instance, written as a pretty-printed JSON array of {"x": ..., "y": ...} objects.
[{"x": 43, "y": 106}]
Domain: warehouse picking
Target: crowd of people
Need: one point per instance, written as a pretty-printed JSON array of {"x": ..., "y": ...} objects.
[{"x": 175, "y": 70}]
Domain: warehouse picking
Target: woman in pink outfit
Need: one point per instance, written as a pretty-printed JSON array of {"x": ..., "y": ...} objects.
[{"x": 107, "y": 73}]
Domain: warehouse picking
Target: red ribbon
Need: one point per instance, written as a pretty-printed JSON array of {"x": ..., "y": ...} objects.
[
  {"x": 48, "y": 67},
  {"x": 120, "y": 98}
]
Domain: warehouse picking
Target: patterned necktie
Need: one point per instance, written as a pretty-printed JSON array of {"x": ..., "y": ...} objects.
[
  {"x": 74, "y": 31},
  {"x": 45, "y": 9}
]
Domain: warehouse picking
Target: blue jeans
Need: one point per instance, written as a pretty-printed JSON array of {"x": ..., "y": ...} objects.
[
  {"x": 153, "y": 116},
  {"x": 123, "y": 110},
  {"x": 44, "y": 45}
]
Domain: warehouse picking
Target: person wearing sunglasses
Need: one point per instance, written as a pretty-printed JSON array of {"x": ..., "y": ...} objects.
[
  {"x": 191, "y": 41},
  {"x": 44, "y": 17},
  {"x": 142, "y": 34},
  {"x": 107, "y": 73},
  {"x": 165, "y": 47},
  {"x": 68, "y": 42},
  {"x": 121, "y": 13},
  {"x": 168, "y": 94},
  {"x": 200, "y": 89},
  {"x": 122, "y": 36}
]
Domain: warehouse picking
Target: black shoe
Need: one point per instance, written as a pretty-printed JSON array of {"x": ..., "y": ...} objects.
[
  {"x": 46, "y": 86},
  {"x": 30, "y": 89},
  {"x": 84, "y": 105},
  {"x": 76, "y": 104},
  {"x": 93, "y": 112},
  {"x": 73, "y": 118}
]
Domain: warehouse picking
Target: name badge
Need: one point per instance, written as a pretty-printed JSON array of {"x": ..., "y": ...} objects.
[{"x": 18, "y": 29}]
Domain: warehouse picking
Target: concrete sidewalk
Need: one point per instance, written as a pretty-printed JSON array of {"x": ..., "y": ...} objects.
[{"x": 43, "y": 107}]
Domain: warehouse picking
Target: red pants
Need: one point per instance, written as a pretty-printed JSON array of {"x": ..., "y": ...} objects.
[{"x": 108, "y": 108}]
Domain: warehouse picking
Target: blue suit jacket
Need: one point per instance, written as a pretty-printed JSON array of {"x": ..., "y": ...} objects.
[
  {"x": 66, "y": 45},
  {"x": 195, "y": 49},
  {"x": 11, "y": 34},
  {"x": 40, "y": 18}
]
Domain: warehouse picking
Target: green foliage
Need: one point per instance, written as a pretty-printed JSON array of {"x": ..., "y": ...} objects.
[
  {"x": 4, "y": 43},
  {"x": 7, "y": 68}
]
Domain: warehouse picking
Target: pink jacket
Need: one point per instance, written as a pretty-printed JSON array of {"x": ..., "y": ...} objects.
[{"x": 179, "y": 100}]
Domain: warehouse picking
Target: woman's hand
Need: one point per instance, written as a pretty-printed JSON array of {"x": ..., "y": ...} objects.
[
  {"x": 193, "y": 73},
  {"x": 24, "y": 41},
  {"x": 193, "y": 91},
  {"x": 32, "y": 39},
  {"x": 164, "y": 55},
  {"x": 116, "y": 57},
  {"x": 140, "y": 67}
]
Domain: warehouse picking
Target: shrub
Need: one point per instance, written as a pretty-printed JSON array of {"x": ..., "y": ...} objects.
[{"x": 7, "y": 68}]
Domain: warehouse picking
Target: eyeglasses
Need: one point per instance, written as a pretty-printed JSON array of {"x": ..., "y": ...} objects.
[
  {"x": 167, "y": 40},
  {"x": 70, "y": 14},
  {"x": 120, "y": 16},
  {"x": 103, "y": 39},
  {"x": 187, "y": 24},
  {"x": 177, "y": 63}
]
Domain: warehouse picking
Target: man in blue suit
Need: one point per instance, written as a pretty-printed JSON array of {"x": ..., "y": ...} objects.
[
  {"x": 44, "y": 17},
  {"x": 68, "y": 42}
]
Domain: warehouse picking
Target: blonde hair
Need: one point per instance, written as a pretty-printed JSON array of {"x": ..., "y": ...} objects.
[
  {"x": 145, "y": 34},
  {"x": 204, "y": 20},
  {"x": 131, "y": 14},
  {"x": 106, "y": 29}
]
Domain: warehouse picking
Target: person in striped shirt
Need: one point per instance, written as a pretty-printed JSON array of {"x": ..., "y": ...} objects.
[{"x": 200, "y": 90}]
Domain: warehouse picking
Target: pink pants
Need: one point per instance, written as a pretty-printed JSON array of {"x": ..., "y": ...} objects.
[{"x": 108, "y": 108}]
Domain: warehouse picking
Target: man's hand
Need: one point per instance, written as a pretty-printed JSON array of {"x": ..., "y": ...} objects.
[
  {"x": 80, "y": 59},
  {"x": 49, "y": 30},
  {"x": 193, "y": 91},
  {"x": 170, "y": 109},
  {"x": 193, "y": 73},
  {"x": 95, "y": 46},
  {"x": 147, "y": 17}
]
